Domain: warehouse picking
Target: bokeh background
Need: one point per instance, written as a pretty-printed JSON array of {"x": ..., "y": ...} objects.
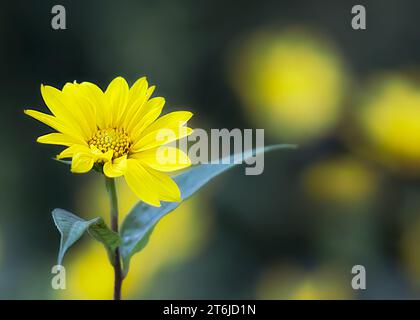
[{"x": 349, "y": 195}]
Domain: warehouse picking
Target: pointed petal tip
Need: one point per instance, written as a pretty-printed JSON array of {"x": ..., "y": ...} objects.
[
  {"x": 190, "y": 115},
  {"x": 31, "y": 112},
  {"x": 152, "y": 203}
]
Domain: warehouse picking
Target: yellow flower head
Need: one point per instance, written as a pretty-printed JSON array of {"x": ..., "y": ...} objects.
[
  {"x": 118, "y": 132},
  {"x": 389, "y": 120},
  {"x": 291, "y": 82}
]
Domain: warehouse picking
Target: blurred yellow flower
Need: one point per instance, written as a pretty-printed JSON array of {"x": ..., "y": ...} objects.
[
  {"x": 341, "y": 179},
  {"x": 176, "y": 237},
  {"x": 390, "y": 121},
  {"x": 292, "y": 283},
  {"x": 291, "y": 82},
  {"x": 117, "y": 131}
]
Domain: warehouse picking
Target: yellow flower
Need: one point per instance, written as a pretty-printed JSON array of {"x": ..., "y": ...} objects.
[
  {"x": 290, "y": 82},
  {"x": 389, "y": 119},
  {"x": 339, "y": 180},
  {"x": 118, "y": 132},
  {"x": 292, "y": 283}
]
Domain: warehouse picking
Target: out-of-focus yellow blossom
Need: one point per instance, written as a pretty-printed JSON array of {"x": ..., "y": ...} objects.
[
  {"x": 292, "y": 283},
  {"x": 89, "y": 274},
  {"x": 291, "y": 82},
  {"x": 176, "y": 237},
  {"x": 390, "y": 118},
  {"x": 341, "y": 179}
]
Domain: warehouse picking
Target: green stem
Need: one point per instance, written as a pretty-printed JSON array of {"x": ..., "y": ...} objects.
[{"x": 113, "y": 201}]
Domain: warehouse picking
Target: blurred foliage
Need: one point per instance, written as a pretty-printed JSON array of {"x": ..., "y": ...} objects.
[{"x": 410, "y": 252}]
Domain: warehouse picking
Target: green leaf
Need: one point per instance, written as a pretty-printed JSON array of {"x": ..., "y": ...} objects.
[
  {"x": 72, "y": 227},
  {"x": 139, "y": 223}
]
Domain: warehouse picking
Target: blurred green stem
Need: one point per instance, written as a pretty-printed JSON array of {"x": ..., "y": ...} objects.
[{"x": 113, "y": 201}]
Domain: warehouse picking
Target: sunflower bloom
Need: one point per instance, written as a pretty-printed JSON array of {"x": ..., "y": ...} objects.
[{"x": 118, "y": 132}]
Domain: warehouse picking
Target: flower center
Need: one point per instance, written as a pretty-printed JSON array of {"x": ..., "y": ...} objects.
[{"x": 111, "y": 139}]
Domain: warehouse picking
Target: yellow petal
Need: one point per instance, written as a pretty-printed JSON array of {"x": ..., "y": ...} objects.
[
  {"x": 160, "y": 137},
  {"x": 139, "y": 109},
  {"x": 171, "y": 120},
  {"x": 137, "y": 89},
  {"x": 65, "y": 108},
  {"x": 168, "y": 189},
  {"x": 151, "y": 111},
  {"x": 82, "y": 162},
  {"x": 137, "y": 96},
  {"x": 164, "y": 158},
  {"x": 116, "y": 168},
  {"x": 99, "y": 156},
  {"x": 81, "y": 107},
  {"x": 54, "y": 123},
  {"x": 72, "y": 150},
  {"x": 142, "y": 183},
  {"x": 58, "y": 139},
  {"x": 164, "y": 130},
  {"x": 56, "y": 106},
  {"x": 96, "y": 98},
  {"x": 116, "y": 96}
]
